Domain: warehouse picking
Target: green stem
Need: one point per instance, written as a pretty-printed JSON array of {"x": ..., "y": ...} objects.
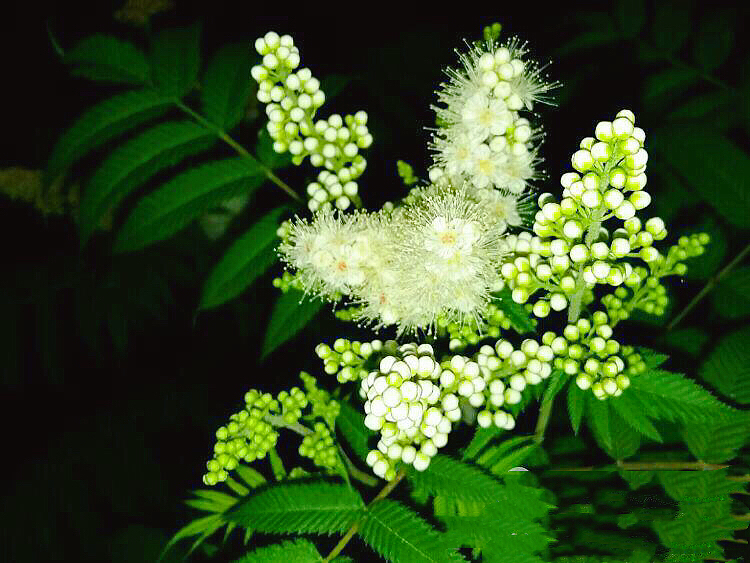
[
  {"x": 278, "y": 421},
  {"x": 356, "y": 473},
  {"x": 237, "y": 147},
  {"x": 708, "y": 287},
  {"x": 355, "y": 527},
  {"x": 574, "y": 311}
]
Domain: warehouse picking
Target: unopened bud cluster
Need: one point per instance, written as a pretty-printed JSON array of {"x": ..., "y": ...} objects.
[
  {"x": 293, "y": 98},
  {"x": 320, "y": 446},
  {"x": 644, "y": 290},
  {"x": 248, "y": 436},
  {"x": 347, "y": 358},
  {"x": 413, "y": 400},
  {"x": 253, "y": 431},
  {"x": 587, "y": 351},
  {"x": 532, "y": 267}
]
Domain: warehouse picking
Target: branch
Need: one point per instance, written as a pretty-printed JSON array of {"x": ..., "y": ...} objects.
[{"x": 649, "y": 466}]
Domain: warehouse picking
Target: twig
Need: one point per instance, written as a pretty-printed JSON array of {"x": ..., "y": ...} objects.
[
  {"x": 355, "y": 472},
  {"x": 649, "y": 466},
  {"x": 238, "y": 148},
  {"x": 708, "y": 287},
  {"x": 355, "y": 527}
]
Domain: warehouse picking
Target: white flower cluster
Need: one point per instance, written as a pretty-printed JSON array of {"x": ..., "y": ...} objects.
[
  {"x": 437, "y": 255},
  {"x": 482, "y": 140},
  {"x": 413, "y": 400},
  {"x": 293, "y": 99}
]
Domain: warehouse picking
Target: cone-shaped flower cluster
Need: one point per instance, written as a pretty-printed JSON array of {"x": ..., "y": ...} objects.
[{"x": 574, "y": 252}]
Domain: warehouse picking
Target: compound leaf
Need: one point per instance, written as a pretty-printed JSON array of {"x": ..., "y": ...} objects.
[
  {"x": 401, "y": 536},
  {"x": 102, "y": 122},
  {"x": 728, "y": 366},
  {"x": 293, "y": 507},
  {"x": 133, "y": 163},
  {"x": 296, "y": 551},
  {"x": 172, "y": 206}
]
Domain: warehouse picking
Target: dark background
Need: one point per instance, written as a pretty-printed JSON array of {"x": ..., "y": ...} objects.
[{"x": 113, "y": 385}]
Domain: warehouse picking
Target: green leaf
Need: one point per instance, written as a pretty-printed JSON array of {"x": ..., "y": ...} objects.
[
  {"x": 588, "y": 40},
  {"x": 693, "y": 486},
  {"x": 652, "y": 358},
  {"x": 175, "y": 60},
  {"x": 513, "y": 459},
  {"x": 714, "y": 166},
  {"x": 250, "y": 475},
  {"x": 731, "y": 297},
  {"x": 294, "y": 507},
  {"x": 636, "y": 479},
  {"x": 217, "y": 501},
  {"x": 715, "y": 39},
  {"x": 248, "y": 257},
  {"x": 168, "y": 209},
  {"x": 351, "y": 423},
  {"x": 690, "y": 340},
  {"x": 103, "y": 57},
  {"x": 703, "y": 106},
  {"x": 291, "y": 313},
  {"x": 226, "y": 85},
  {"x": 518, "y": 316},
  {"x": 400, "y": 535},
  {"x": 482, "y": 438},
  {"x": 728, "y": 367},
  {"x": 630, "y": 410},
  {"x": 625, "y": 440},
  {"x": 500, "y": 538},
  {"x": 598, "y": 420},
  {"x": 631, "y": 15},
  {"x": 671, "y": 396},
  {"x": 133, "y": 163},
  {"x": 671, "y": 24},
  {"x": 717, "y": 442},
  {"x": 576, "y": 402},
  {"x": 662, "y": 85},
  {"x": 454, "y": 479},
  {"x": 296, "y": 551},
  {"x": 102, "y": 122},
  {"x": 498, "y": 452},
  {"x": 201, "y": 527},
  {"x": 556, "y": 382}
]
